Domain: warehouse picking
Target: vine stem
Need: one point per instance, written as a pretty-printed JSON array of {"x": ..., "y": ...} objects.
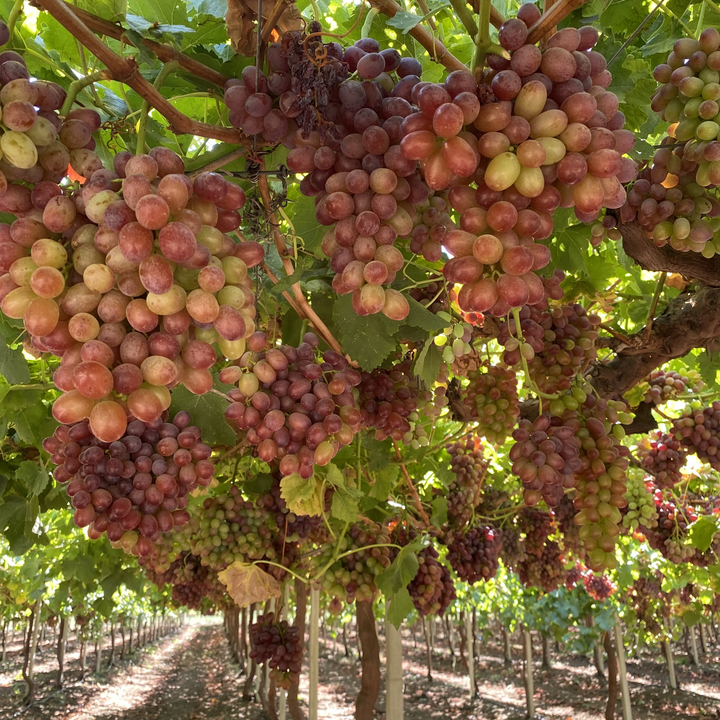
[
  {"x": 551, "y": 18},
  {"x": 467, "y": 19},
  {"x": 635, "y": 33},
  {"x": 282, "y": 249},
  {"x": 413, "y": 491},
  {"x": 221, "y": 161},
  {"x": 165, "y": 53},
  {"x": 653, "y": 307},
  {"x": 373, "y": 12},
  {"x": 435, "y": 48},
  {"x": 125, "y": 70},
  {"x": 482, "y": 39},
  {"x": 77, "y": 85},
  {"x": 14, "y": 15},
  {"x": 165, "y": 70}
]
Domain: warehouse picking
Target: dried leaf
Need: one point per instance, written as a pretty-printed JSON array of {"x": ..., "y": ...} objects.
[
  {"x": 247, "y": 584},
  {"x": 241, "y": 22}
]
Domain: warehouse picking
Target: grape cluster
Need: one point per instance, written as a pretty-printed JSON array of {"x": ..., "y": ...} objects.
[
  {"x": 564, "y": 514},
  {"x": 291, "y": 408},
  {"x": 669, "y": 198},
  {"x": 664, "y": 385},
  {"x": 573, "y": 576},
  {"x": 492, "y": 396},
  {"x": 545, "y": 571},
  {"x": 557, "y": 344},
  {"x": 649, "y": 602},
  {"x": 474, "y": 554},
  {"x": 290, "y": 102},
  {"x": 662, "y": 456},
  {"x": 432, "y": 221},
  {"x": 432, "y": 589},
  {"x": 134, "y": 488},
  {"x": 537, "y": 526},
  {"x": 598, "y": 587},
  {"x": 545, "y": 457},
  {"x": 391, "y": 403},
  {"x": 553, "y": 137},
  {"x": 279, "y": 644},
  {"x": 513, "y": 548},
  {"x": 143, "y": 286},
  {"x": 431, "y": 296},
  {"x": 455, "y": 339},
  {"x": 466, "y": 462},
  {"x": 352, "y": 577},
  {"x": 640, "y": 512},
  {"x": 697, "y": 431},
  {"x": 670, "y": 535}
]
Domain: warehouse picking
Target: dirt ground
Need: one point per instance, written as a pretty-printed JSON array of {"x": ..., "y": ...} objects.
[{"x": 189, "y": 675}]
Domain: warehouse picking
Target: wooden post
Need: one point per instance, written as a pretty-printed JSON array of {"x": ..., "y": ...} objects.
[
  {"x": 693, "y": 646},
  {"x": 703, "y": 639},
  {"x": 471, "y": 656},
  {"x": 428, "y": 648},
  {"x": 370, "y": 661},
  {"x": 29, "y": 666},
  {"x": 667, "y": 647},
  {"x": 4, "y": 642},
  {"x": 282, "y": 711},
  {"x": 547, "y": 665},
  {"x": 624, "y": 689},
  {"x": 314, "y": 654},
  {"x": 98, "y": 651},
  {"x": 450, "y": 638},
  {"x": 60, "y": 679},
  {"x": 529, "y": 684},
  {"x": 394, "y": 703}
]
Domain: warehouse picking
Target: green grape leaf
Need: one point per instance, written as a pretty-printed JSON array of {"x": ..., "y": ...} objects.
[
  {"x": 420, "y": 316},
  {"x": 345, "y": 504},
  {"x": 35, "y": 477},
  {"x": 367, "y": 340},
  {"x": 400, "y": 606},
  {"x": 385, "y": 481},
  {"x": 207, "y": 412},
  {"x": 302, "y": 264},
  {"x": 439, "y": 512},
  {"x": 427, "y": 364},
  {"x": 303, "y": 497},
  {"x": 404, "y": 21},
  {"x": 702, "y": 532},
  {"x": 13, "y": 365},
  {"x": 691, "y": 617},
  {"x": 248, "y": 584},
  {"x": 25, "y": 410},
  {"x": 401, "y": 571}
]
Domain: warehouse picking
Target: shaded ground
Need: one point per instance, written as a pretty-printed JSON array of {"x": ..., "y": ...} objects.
[{"x": 189, "y": 676}]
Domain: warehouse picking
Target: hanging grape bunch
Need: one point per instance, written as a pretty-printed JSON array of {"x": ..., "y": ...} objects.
[
  {"x": 697, "y": 431},
  {"x": 666, "y": 385},
  {"x": 292, "y": 408},
  {"x": 466, "y": 463},
  {"x": 662, "y": 456},
  {"x": 670, "y": 536},
  {"x": 492, "y": 397},
  {"x": 537, "y": 525},
  {"x": 669, "y": 198},
  {"x": 136, "y": 488},
  {"x": 278, "y": 644},
  {"x": 455, "y": 339},
  {"x": 640, "y": 512},
  {"x": 598, "y": 587},
  {"x": 546, "y": 570},
  {"x": 474, "y": 554}
]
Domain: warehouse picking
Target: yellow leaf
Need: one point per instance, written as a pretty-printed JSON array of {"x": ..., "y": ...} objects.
[{"x": 248, "y": 584}]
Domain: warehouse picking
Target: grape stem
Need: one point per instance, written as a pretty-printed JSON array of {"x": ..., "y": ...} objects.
[
  {"x": 551, "y": 18},
  {"x": 618, "y": 335},
  {"x": 413, "y": 491},
  {"x": 165, "y": 53},
  {"x": 467, "y": 18},
  {"x": 221, "y": 394},
  {"x": 282, "y": 249},
  {"x": 367, "y": 25},
  {"x": 218, "y": 162},
  {"x": 125, "y": 70},
  {"x": 77, "y": 85},
  {"x": 165, "y": 70},
  {"x": 14, "y": 15},
  {"x": 653, "y": 307},
  {"x": 635, "y": 33}
]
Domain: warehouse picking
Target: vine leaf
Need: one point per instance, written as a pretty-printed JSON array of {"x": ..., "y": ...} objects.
[
  {"x": 439, "y": 512},
  {"x": 401, "y": 571},
  {"x": 247, "y": 584},
  {"x": 427, "y": 363},
  {"x": 35, "y": 477},
  {"x": 13, "y": 365},
  {"x": 303, "y": 497},
  {"x": 345, "y": 499},
  {"x": 207, "y": 412},
  {"x": 702, "y": 532},
  {"x": 401, "y": 605}
]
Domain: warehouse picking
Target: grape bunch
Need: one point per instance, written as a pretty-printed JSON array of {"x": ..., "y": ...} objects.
[
  {"x": 598, "y": 587},
  {"x": 697, "y": 431},
  {"x": 455, "y": 339},
  {"x": 662, "y": 456},
  {"x": 670, "y": 536},
  {"x": 432, "y": 296},
  {"x": 640, "y": 512},
  {"x": 466, "y": 462},
  {"x": 553, "y": 137},
  {"x": 291, "y": 408},
  {"x": 432, "y": 589},
  {"x": 537, "y": 526},
  {"x": 492, "y": 397},
  {"x": 573, "y": 576},
  {"x": 392, "y": 405},
  {"x": 147, "y": 283},
  {"x": 513, "y": 547},
  {"x": 649, "y": 602},
  {"x": 278, "y": 644},
  {"x": 352, "y": 577},
  {"x": 135, "y": 488},
  {"x": 666, "y": 385},
  {"x": 474, "y": 554},
  {"x": 545, "y": 457},
  {"x": 557, "y": 343},
  {"x": 192, "y": 584},
  {"x": 545, "y": 571},
  {"x": 291, "y": 101},
  {"x": 432, "y": 221}
]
